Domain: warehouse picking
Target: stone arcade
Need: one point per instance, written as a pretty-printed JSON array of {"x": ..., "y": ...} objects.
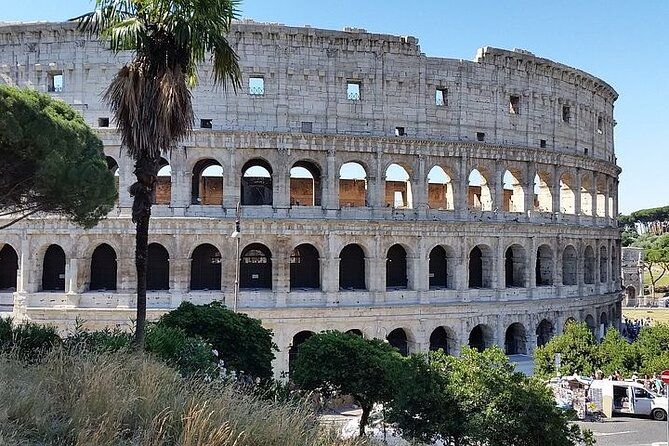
[{"x": 432, "y": 202}]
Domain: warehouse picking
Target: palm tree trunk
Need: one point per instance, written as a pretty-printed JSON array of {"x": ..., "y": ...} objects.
[{"x": 146, "y": 171}]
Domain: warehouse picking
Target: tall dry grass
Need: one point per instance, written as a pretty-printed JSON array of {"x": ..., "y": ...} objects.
[{"x": 130, "y": 399}]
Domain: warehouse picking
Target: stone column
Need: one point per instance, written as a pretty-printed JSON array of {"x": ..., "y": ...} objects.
[
  {"x": 497, "y": 191},
  {"x": 419, "y": 189},
  {"x": 531, "y": 267},
  {"x": 331, "y": 182},
  {"x": 281, "y": 178},
  {"x": 232, "y": 187},
  {"x": 531, "y": 168},
  {"x": 71, "y": 272},
  {"x": 577, "y": 193},
  {"x": 555, "y": 191},
  {"x": 498, "y": 266}
]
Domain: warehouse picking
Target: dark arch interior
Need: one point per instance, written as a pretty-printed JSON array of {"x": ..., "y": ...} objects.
[
  {"x": 205, "y": 271},
  {"x": 476, "y": 268},
  {"x": 515, "y": 340},
  {"x": 477, "y": 338},
  {"x": 103, "y": 268},
  {"x": 355, "y": 331},
  {"x": 256, "y": 190},
  {"x": 255, "y": 270},
  {"x": 162, "y": 190},
  {"x": 304, "y": 267},
  {"x": 53, "y": 272},
  {"x": 352, "y": 268},
  {"x": 398, "y": 339},
  {"x": 9, "y": 266},
  {"x": 438, "y": 268},
  {"x": 439, "y": 340},
  {"x": 157, "y": 268},
  {"x": 544, "y": 332},
  {"x": 544, "y": 267},
  {"x": 396, "y": 267}
]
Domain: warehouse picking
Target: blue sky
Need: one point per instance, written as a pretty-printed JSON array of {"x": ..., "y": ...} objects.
[{"x": 621, "y": 41}]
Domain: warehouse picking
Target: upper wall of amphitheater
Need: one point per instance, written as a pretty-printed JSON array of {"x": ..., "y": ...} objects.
[{"x": 507, "y": 98}]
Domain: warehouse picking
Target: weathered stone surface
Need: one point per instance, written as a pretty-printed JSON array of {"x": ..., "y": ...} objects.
[{"x": 506, "y": 111}]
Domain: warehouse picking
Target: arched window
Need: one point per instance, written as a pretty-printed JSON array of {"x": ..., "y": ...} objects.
[
  {"x": 589, "y": 265},
  {"x": 205, "y": 270},
  {"x": 112, "y": 165},
  {"x": 567, "y": 195},
  {"x": 352, "y": 268},
  {"x": 569, "y": 266},
  {"x": 543, "y": 196},
  {"x": 305, "y": 184},
  {"x": 603, "y": 263},
  {"x": 207, "y": 186},
  {"x": 544, "y": 332},
  {"x": 480, "y": 267},
  {"x": 514, "y": 193},
  {"x": 590, "y": 322},
  {"x": 398, "y": 339},
  {"x": 478, "y": 193},
  {"x": 602, "y": 189},
  {"x": 439, "y": 189},
  {"x": 514, "y": 266},
  {"x": 157, "y": 268},
  {"x": 162, "y": 190},
  {"x": 53, "y": 271},
  {"x": 442, "y": 338},
  {"x": 103, "y": 268},
  {"x": 304, "y": 268},
  {"x": 257, "y": 189},
  {"x": 9, "y": 266},
  {"x": 256, "y": 267},
  {"x": 480, "y": 337},
  {"x": 398, "y": 188},
  {"x": 352, "y": 185},
  {"x": 294, "y": 349},
  {"x": 586, "y": 194},
  {"x": 396, "y": 267},
  {"x": 544, "y": 266},
  {"x": 515, "y": 340},
  {"x": 440, "y": 268}
]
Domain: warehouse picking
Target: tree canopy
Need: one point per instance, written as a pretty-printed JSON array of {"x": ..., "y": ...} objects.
[
  {"x": 51, "y": 161},
  {"x": 348, "y": 364},
  {"x": 242, "y": 343}
]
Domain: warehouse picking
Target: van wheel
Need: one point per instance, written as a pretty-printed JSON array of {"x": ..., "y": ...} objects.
[{"x": 659, "y": 415}]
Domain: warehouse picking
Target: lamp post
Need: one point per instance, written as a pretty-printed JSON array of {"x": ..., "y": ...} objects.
[{"x": 236, "y": 234}]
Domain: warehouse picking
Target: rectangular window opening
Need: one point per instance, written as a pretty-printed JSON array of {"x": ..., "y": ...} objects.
[
  {"x": 600, "y": 125},
  {"x": 399, "y": 131},
  {"x": 353, "y": 90},
  {"x": 103, "y": 122},
  {"x": 585, "y": 151},
  {"x": 55, "y": 82},
  {"x": 480, "y": 136},
  {"x": 441, "y": 97},
  {"x": 256, "y": 85},
  {"x": 514, "y": 105},
  {"x": 542, "y": 143},
  {"x": 307, "y": 127},
  {"x": 566, "y": 114},
  {"x": 205, "y": 123}
]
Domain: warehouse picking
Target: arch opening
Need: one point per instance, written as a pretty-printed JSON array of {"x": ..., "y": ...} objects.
[
  {"x": 513, "y": 192},
  {"x": 305, "y": 184},
  {"x": 479, "y": 196},
  {"x": 439, "y": 189},
  {"x": 481, "y": 337},
  {"x": 352, "y": 268},
  {"x": 586, "y": 195},
  {"x": 545, "y": 331},
  {"x": 352, "y": 185},
  {"x": 398, "y": 193},
  {"x": 255, "y": 269},
  {"x": 398, "y": 339},
  {"x": 157, "y": 268},
  {"x": 515, "y": 340},
  {"x": 53, "y": 270},
  {"x": 544, "y": 266},
  {"x": 294, "y": 350},
  {"x": 603, "y": 264},
  {"x": 480, "y": 267},
  {"x": 205, "y": 270},
  {"x": 567, "y": 195},
  {"x": 514, "y": 266},
  {"x": 569, "y": 266},
  {"x": 304, "y": 268},
  {"x": 441, "y": 268},
  {"x": 256, "y": 183},
  {"x": 442, "y": 338},
  {"x": 103, "y": 269},
  {"x": 9, "y": 267},
  {"x": 162, "y": 190},
  {"x": 543, "y": 197},
  {"x": 589, "y": 265},
  {"x": 207, "y": 183},
  {"x": 396, "y": 268}
]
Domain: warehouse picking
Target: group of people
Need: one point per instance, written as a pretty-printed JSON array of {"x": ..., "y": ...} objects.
[
  {"x": 632, "y": 327},
  {"x": 651, "y": 383}
]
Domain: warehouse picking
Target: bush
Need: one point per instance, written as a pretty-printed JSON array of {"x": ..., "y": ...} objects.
[
  {"x": 30, "y": 340},
  {"x": 189, "y": 355},
  {"x": 107, "y": 340},
  {"x": 5, "y": 332},
  {"x": 242, "y": 343}
]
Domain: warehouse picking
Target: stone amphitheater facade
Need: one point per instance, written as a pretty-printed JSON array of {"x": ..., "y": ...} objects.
[{"x": 432, "y": 202}]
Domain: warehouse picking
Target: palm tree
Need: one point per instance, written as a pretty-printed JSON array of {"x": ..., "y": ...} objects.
[{"x": 150, "y": 96}]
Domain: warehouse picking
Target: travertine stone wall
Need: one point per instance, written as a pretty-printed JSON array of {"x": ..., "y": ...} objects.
[{"x": 503, "y": 113}]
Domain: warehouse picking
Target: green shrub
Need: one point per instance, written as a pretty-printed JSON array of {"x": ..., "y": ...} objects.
[
  {"x": 30, "y": 340},
  {"x": 5, "y": 332},
  {"x": 189, "y": 355},
  {"x": 107, "y": 340},
  {"x": 243, "y": 344}
]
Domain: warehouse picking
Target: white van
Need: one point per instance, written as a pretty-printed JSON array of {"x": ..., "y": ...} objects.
[{"x": 626, "y": 397}]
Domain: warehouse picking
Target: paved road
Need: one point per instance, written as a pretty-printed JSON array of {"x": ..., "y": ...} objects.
[{"x": 627, "y": 431}]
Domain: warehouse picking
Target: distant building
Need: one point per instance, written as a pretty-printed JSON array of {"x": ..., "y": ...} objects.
[{"x": 632, "y": 275}]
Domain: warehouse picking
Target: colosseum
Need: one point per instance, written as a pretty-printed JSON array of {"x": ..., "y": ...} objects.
[{"x": 432, "y": 202}]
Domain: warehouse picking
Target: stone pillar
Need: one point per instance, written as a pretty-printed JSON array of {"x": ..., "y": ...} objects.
[
  {"x": 71, "y": 272},
  {"x": 180, "y": 275},
  {"x": 498, "y": 191},
  {"x": 23, "y": 273},
  {"x": 460, "y": 188},
  {"x": 577, "y": 192},
  {"x": 531, "y": 168},
  {"x": 331, "y": 182},
  {"x": 329, "y": 274},
  {"x": 419, "y": 188},
  {"x": 555, "y": 191},
  {"x": 498, "y": 266},
  {"x": 232, "y": 188},
  {"x": 281, "y": 187},
  {"x": 531, "y": 267}
]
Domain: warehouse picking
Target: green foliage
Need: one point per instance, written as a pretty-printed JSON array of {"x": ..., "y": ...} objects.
[
  {"x": 107, "y": 340},
  {"x": 577, "y": 348},
  {"x": 615, "y": 353},
  {"x": 189, "y": 355},
  {"x": 30, "y": 341},
  {"x": 483, "y": 401},
  {"x": 423, "y": 408},
  {"x": 52, "y": 161},
  {"x": 350, "y": 365},
  {"x": 5, "y": 332},
  {"x": 242, "y": 343},
  {"x": 649, "y": 215}
]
